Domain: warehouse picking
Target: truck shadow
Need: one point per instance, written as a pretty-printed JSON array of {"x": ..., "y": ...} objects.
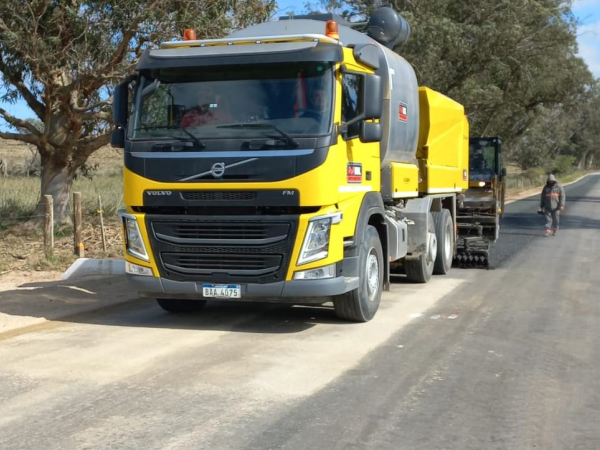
[{"x": 109, "y": 301}]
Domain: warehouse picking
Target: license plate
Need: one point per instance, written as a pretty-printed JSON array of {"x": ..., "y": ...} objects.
[{"x": 222, "y": 290}]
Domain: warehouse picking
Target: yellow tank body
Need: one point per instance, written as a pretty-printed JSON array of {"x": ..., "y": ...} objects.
[{"x": 443, "y": 149}]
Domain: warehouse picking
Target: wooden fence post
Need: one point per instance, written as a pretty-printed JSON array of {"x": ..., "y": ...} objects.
[
  {"x": 101, "y": 212},
  {"x": 49, "y": 226},
  {"x": 77, "y": 223}
]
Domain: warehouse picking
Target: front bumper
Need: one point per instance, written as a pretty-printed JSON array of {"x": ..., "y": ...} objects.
[{"x": 302, "y": 291}]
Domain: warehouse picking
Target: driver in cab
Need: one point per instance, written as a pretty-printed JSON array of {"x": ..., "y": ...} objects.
[
  {"x": 317, "y": 106},
  {"x": 210, "y": 110},
  {"x": 478, "y": 162}
]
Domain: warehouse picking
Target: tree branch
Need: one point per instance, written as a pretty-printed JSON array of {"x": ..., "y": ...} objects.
[
  {"x": 30, "y": 139},
  {"x": 96, "y": 115},
  {"x": 19, "y": 123},
  {"x": 87, "y": 108},
  {"x": 37, "y": 107},
  {"x": 90, "y": 145},
  {"x": 95, "y": 142}
]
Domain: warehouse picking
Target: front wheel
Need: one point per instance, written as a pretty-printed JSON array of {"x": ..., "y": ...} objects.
[
  {"x": 178, "y": 306},
  {"x": 361, "y": 304}
]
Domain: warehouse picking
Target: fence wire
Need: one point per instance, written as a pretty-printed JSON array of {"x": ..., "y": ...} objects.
[{"x": 22, "y": 217}]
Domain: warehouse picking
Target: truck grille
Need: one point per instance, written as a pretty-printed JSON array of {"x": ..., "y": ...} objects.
[
  {"x": 206, "y": 264},
  {"x": 253, "y": 249},
  {"x": 218, "y": 196},
  {"x": 220, "y": 233}
]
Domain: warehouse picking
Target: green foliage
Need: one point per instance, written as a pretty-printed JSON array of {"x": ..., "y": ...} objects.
[
  {"x": 512, "y": 63},
  {"x": 63, "y": 58},
  {"x": 563, "y": 165}
]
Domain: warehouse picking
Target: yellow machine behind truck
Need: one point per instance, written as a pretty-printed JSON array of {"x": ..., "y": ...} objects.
[{"x": 293, "y": 161}]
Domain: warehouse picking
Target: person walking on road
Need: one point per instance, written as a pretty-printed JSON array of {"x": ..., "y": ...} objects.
[{"x": 552, "y": 202}]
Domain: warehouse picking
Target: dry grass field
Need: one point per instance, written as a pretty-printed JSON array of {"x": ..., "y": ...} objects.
[{"x": 21, "y": 245}]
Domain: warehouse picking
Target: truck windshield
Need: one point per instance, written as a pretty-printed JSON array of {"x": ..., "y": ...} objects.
[{"x": 232, "y": 101}]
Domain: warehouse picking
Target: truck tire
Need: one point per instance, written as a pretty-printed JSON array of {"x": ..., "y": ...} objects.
[
  {"x": 178, "y": 306},
  {"x": 444, "y": 232},
  {"x": 361, "y": 304},
  {"x": 420, "y": 270}
]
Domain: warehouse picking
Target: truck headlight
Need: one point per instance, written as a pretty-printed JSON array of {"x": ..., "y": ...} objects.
[
  {"x": 316, "y": 241},
  {"x": 133, "y": 238}
]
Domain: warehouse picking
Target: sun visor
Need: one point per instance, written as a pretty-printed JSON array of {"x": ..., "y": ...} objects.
[{"x": 240, "y": 54}]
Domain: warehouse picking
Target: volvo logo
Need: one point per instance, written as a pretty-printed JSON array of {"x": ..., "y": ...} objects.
[
  {"x": 217, "y": 170},
  {"x": 158, "y": 192}
]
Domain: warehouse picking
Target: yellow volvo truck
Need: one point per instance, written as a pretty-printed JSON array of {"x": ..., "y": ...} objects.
[{"x": 292, "y": 161}]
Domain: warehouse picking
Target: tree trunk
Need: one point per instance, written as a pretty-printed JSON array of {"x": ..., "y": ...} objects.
[
  {"x": 57, "y": 181},
  {"x": 583, "y": 161}
]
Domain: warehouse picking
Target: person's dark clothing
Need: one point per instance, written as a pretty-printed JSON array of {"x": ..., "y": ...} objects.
[{"x": 552, "y": 199}]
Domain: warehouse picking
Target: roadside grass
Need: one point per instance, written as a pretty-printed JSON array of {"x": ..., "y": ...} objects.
[
  {"x": 21, "y": 244},
  {"x": 19, "y": 197},
  {"x": 536, "y": 178}
]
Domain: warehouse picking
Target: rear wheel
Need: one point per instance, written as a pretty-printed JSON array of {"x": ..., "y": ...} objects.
[
  {"x": 419, "y": 270},
  {"x": 444, "y": 232},
  {"x": 178, "y": 306},
  {"x": 361, "y": 304}
]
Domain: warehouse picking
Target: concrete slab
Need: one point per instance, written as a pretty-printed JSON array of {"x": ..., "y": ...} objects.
[{"x": 85, "y": 267}]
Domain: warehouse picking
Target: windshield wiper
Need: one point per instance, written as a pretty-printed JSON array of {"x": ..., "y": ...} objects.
[
  {"x": 201, "y": 145},
  {"x": 290, "y": 141}
]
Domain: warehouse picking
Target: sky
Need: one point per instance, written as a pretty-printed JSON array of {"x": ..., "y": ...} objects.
[{"x": 587, "y": 12}]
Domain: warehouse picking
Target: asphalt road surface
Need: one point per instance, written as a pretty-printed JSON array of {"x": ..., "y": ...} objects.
[{"x": 507, "y": 358}]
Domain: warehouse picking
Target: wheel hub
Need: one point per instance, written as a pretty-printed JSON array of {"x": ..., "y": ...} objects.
[
  {"x": 372, "y": 275},
  {"x": 432, "y": 253}
]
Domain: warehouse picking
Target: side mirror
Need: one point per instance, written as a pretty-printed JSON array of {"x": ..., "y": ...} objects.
[
  {"x": 370, "y": 132},
  {"x": 370, "y": 105},
  {"x": 117, "y": 138},
  {"x": 120, "y": 104},
  {"x": 503, "y": 172},
  {"x": 372, "y": 98}
]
